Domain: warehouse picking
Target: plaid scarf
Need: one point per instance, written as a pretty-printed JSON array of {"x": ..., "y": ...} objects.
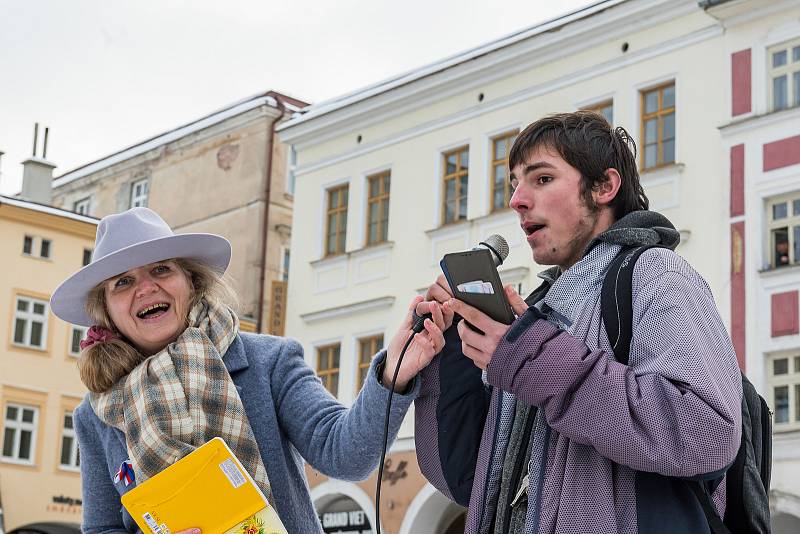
[{"x": 181, "y": 397}]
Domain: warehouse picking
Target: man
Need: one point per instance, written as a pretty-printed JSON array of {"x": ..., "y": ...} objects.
[{"x": 555, "y": 435}]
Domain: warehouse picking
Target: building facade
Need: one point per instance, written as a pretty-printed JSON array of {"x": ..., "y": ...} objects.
[
  {"x": 395, "y": 175},
  {"x": 223, "y": 173},
  {"x": 39, "y": 382},
  {"x": 761, "y": 149}
]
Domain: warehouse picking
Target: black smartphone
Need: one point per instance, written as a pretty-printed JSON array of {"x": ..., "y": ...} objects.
[{"x": 473, "y": 279}]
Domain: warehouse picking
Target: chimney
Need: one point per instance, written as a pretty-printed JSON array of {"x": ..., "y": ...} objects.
[{"x": 37, "y": 174}]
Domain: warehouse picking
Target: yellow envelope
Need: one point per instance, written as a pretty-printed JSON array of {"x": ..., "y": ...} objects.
[{"x": 208, "y": 489}]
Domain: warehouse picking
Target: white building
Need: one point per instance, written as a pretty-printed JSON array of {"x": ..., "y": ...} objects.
[
  {"x": 393, "y": 176},
  {"x": 761, "y": 148}
]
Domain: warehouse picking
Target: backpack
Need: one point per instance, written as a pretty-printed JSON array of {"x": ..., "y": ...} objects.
[{"x": 747, "y": 479}]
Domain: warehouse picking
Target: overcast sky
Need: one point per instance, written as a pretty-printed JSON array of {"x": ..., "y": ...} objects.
[{"x": 106, "y": 74}]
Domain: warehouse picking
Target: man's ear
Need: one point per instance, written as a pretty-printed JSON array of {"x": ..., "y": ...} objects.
[{"x": 606, "y": 191}]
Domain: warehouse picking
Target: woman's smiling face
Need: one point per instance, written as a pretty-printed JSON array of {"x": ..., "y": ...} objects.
[{"x": 149, "y": 305}]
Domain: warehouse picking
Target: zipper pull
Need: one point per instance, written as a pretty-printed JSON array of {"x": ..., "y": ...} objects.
[{"x": 522, "y": 491}]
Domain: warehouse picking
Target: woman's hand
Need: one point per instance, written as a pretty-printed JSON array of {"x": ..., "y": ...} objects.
[
  {"x": 189, "y": 531},
  {"x": 420, "y": 352}
]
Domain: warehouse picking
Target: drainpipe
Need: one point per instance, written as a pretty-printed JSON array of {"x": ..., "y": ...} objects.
[{"x": 265, "y": 225}]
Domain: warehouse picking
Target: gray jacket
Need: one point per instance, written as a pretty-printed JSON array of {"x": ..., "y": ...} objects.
[{"x": 293, "y": 418}]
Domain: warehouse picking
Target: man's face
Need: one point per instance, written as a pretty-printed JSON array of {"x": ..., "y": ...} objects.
[{"x": 552, "y": 212}]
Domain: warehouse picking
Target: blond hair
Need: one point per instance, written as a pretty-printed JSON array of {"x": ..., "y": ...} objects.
[{"x": 102, "y": 365}]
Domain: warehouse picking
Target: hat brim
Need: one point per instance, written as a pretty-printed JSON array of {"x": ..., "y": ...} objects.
[{"x": 69, "y": 299}]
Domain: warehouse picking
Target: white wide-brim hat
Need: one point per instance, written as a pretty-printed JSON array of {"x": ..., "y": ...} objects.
[{"x": 129, "y": 240}]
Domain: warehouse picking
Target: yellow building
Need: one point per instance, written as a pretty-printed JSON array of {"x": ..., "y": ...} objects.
[{"x": 39, "y": 383}]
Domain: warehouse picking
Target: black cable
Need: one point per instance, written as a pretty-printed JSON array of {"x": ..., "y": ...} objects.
[{"x": 386, "y": 429}]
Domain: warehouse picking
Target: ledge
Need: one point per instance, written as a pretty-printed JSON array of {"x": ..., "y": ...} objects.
[
  {"x": 344, "y": 256},
  {"x": 664, "y": 171},
  {"x": 348, "y": 309}
]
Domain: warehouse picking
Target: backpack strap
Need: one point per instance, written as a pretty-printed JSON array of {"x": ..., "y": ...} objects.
[
  {"x": 616, "y": 300},
  {"x": 714, "y": 521},
  {"x": 616, "y": 310}
]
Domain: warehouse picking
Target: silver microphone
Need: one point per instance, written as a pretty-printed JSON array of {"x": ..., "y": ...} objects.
[{"x": 497, "y": 245}]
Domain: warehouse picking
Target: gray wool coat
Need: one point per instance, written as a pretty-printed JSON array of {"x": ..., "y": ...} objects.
[{"x": 293, "y": 418}]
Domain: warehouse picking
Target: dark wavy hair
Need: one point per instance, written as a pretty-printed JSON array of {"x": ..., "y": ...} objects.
[{"x": 586, "y": 140}]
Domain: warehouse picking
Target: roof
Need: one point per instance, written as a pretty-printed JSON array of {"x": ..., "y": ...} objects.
[
  {"x": 323, "y": 108},
  {"x": 705, "y": 4},
  {"x": 44, "y": 208},
  {"x": 270, "y": 98}
]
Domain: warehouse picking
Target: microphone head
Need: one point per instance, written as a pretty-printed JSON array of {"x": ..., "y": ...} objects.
[{"x": 497, "y": 244}]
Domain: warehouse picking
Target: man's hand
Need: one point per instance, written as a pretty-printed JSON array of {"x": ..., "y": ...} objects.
[
  {"x": 420, "y": 352},
  {"x": 480, "y": 347}
]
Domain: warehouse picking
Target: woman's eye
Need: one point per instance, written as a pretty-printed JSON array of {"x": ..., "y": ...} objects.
[
  {"x": 161, "y": 269},
  {"x": 122, "y": 281},
  {"x": 544, "y": 179}
]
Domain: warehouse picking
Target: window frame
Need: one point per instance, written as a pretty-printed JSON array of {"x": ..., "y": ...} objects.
[
  {"x": 20, "y": 426},
  {"x": 82, "y": 206},
  {"x": 598, "y": 107},
  {"x": 457, "y": 175},
  {"x": 790, "y": 222},
  {"x": 659, "y": 114},
  {"x": 72, "y": 330},
  {"x": 283, "y": 272},
  {"x": 29, "y": 316},
  {"x": 510, "y": 137},
  {"x": 37, "y": 243},
  {"x": 374, "y": 343},
  {"x": 74, "y": 455},
  {"x": 341, "y": 229},
  {"x": 790, "y": 380},
  {"x": 383, "y": 218},
  {"x": 291, "y": 170},
  {"x": 791, "y": 68},
  {"x": 326, "y": 375},
  {"x": 136, "y": 197}
]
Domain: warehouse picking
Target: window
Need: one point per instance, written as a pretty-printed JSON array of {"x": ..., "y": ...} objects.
[
  {"x": 606, "y": 109},
  {"x": 784, "y": 384},
  {"x": 139, "y": 191},
  {"x": 77, "y": 333},
  {"x": 37, "y": 247},
  {"x": 81, "y": 206},
  {"x": 45, "y": 249},
  {"x": 783, "y": 62},
  {"x": 30, "y": 323},
  {"x": 291, "y": 167},
  {"x": 328, "y": 367},
  {"x": 19, "y": 433},
  {"x": 368, "y": 347},
  {"x": 70, "y": 456},
  {"x": 336, "y": 226},
  {"x": 783, "y": 216},
  {"x": 501, "y": 185},
  {"x": 378, "y": 208},
  {"x": 87, "y": 256},
  {"x": 456, "y": 178},
  {"x": 285, "y": 265},
  {"x": 658, "y": 126}
]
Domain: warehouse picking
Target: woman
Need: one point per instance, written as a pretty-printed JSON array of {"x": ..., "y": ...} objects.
[{"x": 168, "y": 369}]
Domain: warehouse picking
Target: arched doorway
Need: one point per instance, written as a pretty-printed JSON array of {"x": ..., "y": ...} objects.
[
  {"x": 785, "y": 524},
  {"x": 343, "y": 508},
  {"x": 784, "y": 512},
  {"x": 431, "y": 512}
]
